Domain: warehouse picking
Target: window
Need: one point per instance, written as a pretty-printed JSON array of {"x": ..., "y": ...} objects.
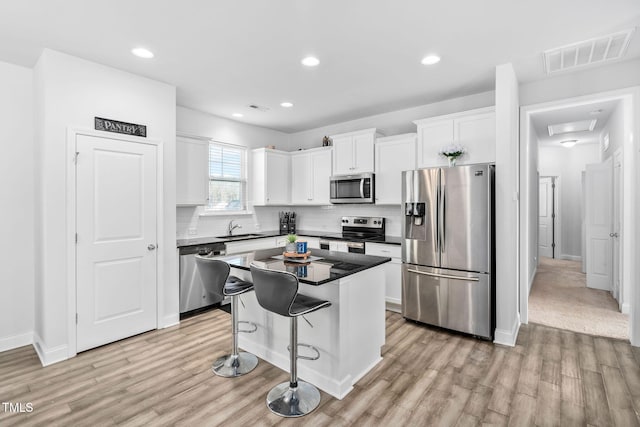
[{"x": 227, "y": 178}]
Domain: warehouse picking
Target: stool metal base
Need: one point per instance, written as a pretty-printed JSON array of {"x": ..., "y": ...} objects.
[
  {"x": 293, "y": 402},
  {"x": 234, "y": 366}
]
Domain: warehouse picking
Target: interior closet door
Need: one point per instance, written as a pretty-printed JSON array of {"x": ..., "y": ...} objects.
[{"x": 116, "y": 239}]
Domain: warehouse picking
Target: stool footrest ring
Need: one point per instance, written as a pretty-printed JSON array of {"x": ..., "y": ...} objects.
[
  {"x": 248, "y": 331},
  {"x": 309, "y": 346}
]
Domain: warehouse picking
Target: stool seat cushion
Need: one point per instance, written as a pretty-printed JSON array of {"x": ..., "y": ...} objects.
[
  {"x": 304, "y": 304},
  {"x": 236, "y": 286}
]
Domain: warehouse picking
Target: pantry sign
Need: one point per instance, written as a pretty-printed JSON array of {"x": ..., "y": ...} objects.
[{"x": 109, "y": 125}]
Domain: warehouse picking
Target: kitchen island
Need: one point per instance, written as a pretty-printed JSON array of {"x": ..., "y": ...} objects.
[{"x": 349, "y": 334}]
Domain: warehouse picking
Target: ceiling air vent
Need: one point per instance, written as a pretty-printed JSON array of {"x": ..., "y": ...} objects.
[
  {"x": 590, "y": 52},
  {"x": 569, "y": 127}
]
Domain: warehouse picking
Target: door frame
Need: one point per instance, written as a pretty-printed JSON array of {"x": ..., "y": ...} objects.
[
  {"x": 630, "y": 98},
  {"x": 618, "y": 192},
  {"x": 72, "y": 134}
]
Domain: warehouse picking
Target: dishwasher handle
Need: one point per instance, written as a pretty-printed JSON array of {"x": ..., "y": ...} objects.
[{"x": 444, "y": 276}]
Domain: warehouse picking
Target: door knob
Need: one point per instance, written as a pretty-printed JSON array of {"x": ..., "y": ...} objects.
[
  {"x": 151, "y": 247},
  {"x": 613, "y": 234}
]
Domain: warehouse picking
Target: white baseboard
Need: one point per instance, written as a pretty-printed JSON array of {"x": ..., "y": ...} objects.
[
  {"x": 532, "y": 278},
  {"x": 626, "y": 308},
  {"x": 506, "y": 337},
  {"x": 170, "y": 320},
  {"x": 393, "y": 304},
  {"x": 49, "y": 356},
  {"x": 570, "y": 257},
  {"x": 15, "y": 341}
]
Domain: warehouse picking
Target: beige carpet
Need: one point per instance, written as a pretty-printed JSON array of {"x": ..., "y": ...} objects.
[{"x": 559, "y": 298}]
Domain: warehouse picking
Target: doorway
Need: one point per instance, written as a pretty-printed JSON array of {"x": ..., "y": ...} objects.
[
  {"x": 555, "y": 258},
  {"x": 547, "y": 215},
  {"x": 115, "y": 220}
]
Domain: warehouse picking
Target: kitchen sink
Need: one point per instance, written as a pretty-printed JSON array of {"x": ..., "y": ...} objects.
[{"x": 239, "y": 236}]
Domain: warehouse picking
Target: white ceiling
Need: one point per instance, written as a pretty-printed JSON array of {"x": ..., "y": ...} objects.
[
  {"x": 225, "y": 55},
  {"x": 541, "y": 120}
]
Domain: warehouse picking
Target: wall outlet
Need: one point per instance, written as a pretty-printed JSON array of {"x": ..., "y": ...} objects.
[{"x": 192, "y": 231}]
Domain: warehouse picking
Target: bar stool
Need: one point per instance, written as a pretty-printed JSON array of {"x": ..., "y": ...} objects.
[
  {"x": 277, "y": 291},
  {"x": 216, "y": 280}
]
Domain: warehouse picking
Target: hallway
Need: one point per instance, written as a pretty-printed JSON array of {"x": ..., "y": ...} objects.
[{"x": 559, "y": 298}]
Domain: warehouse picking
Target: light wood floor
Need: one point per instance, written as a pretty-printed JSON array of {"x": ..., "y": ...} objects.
[{"x": 428, "y": 377}]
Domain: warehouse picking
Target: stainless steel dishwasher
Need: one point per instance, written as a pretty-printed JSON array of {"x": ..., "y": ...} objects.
[{"x": 192, "y": 293}]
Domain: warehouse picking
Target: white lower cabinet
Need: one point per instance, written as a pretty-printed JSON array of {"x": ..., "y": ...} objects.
[
  {"x": 240, "y": 246},
  {"x": 393, "y": 272},
  {"x": 312, "y": 242}
]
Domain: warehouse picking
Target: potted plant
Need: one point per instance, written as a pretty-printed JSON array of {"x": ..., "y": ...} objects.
[
  {"x": 291, "y": 243},
  {"x": 452, "y": 152}
]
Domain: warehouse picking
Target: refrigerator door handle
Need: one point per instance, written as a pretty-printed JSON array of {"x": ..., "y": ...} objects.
[
  {"x": 445, "y": 276},
  {"x": 442, "y": 222}
]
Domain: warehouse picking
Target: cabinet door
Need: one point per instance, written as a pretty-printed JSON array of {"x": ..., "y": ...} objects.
[
  {"x": 301, "y": 179},
  {"x": 363, "y": 153},
  {"x": 192, "y": 178},
  {"x": 393, "y": 157},
  {"x": 343, "y": 156},
  {"x": 320, "y": 163},
  {"x": 277, "y": 178},
  {"x": 249, "y": 245},
  {"x": 477, "y": 134},
  {"x": 433, "y": 137}
]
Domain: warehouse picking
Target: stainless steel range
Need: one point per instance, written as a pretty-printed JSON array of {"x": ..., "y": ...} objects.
[{"x": 356, "y": 230}]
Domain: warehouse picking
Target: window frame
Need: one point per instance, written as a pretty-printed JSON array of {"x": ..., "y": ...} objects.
[{"x": 244, "y": 209}]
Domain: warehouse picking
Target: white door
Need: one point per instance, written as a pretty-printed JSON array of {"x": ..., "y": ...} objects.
[
  {"x": 116, "y": 233},
  {"x": 618, "y": 294},
  {"x": 598, "y": 219},
  {"x": 546, "y": 217}
]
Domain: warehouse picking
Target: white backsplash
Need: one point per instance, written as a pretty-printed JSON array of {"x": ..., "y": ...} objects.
[{"x": 190, "y": 223}]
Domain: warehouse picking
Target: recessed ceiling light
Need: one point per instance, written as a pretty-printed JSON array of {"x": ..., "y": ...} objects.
[
  {"x": 141, "y": 52},
  {"x": 568, "y": 142},
  {"x": 286, "y": 104},
  {"x": 310, "y": 61},
  {"x": 237, "y": 115},
  {"x": 430, "y": 60},
  {"x": 595, "y": 112}
]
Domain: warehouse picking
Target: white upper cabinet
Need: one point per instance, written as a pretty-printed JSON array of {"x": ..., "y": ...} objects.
[
  {"x": 270, "y": 177},
  {"x": 310, "y": 173},
  {"x": 393, "y": 155},
  {"x": 192, "y": 178},
  {"x": 475, "y": 130},
  {"x": 353, "y": 152}
]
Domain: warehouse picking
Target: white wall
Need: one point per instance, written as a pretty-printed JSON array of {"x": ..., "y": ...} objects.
[
  {"x": 311, "y": 218},
  {"x": 593, "y": 80},
  {"x": 393, "y": 123},
  {"x": 16, "y": 216},
  {"x": 507, "y": 187},
  {"x": 70, "y": 92},
  {"x": 615, "y": 129},
  {"x": 197, "y": 123},
  {"x": 568, "y": 164}
]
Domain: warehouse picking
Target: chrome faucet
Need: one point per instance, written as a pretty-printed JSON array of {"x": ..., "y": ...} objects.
[{"x": 232, "y": 227}]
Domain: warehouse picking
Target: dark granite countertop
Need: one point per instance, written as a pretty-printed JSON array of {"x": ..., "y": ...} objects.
[
  {"x": 190, "y": 241},
  {"x": 330, "y": 265}
]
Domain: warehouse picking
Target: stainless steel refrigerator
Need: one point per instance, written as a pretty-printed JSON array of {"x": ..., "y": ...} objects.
[{"x": 448, "y": 253}]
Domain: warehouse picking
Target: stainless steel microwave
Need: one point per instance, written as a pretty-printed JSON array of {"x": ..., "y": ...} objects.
[{"x": 358, "y": 188}]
